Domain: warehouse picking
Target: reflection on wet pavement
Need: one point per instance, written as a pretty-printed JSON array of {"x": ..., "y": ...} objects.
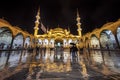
[
  {"x": 51, "y": 66},
  {"x": 59, "y": 67}
]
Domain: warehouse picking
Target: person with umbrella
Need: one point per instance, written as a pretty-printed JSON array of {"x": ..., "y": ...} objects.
[{"x": 73, "y": 51}]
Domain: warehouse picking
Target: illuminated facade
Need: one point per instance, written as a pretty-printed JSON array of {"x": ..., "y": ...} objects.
[
  {"x": 57, "y": 36},
  {"x": 100, "y": 47}
]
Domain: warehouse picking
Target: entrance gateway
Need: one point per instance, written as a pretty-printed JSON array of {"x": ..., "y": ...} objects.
[
  {"x": 58, "y": 49},
  {"x": 58, "y": 43}
]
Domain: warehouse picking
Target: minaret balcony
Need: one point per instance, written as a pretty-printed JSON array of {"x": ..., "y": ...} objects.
[
  {"x": 38, "y": 17},
  {"x": 78, "y": 24},
  {"x": 78, "y": 19},
  {"x": 37, "y": 22},
  {"x": 79, "y": 29},
  {"x": 36, "y": 28}
]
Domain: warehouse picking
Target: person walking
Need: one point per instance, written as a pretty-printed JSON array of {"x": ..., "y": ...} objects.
[{"x": 73, "y": 51}]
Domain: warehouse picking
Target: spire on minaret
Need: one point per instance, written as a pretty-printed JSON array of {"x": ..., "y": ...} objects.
[
  {"x": 68, "y": 28},
  {"x": 78, "y": 16},
  {"x": 36, "y": 28},
  {"x": 78, "y": 24}
]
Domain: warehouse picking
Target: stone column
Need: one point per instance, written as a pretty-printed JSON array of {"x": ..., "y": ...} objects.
[
  {"x": 19, "y": 63},
  {"x": 9, "y": 53},
  {"x": 117, "y": 42}
]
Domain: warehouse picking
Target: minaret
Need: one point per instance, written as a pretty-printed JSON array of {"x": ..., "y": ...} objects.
[
  {"x": 78, "y": 24},
  {"x": 36, "y": 28}
]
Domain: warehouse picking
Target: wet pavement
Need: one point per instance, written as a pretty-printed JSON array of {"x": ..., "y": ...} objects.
[
  {"x": 74, "y": 74},
  {"x": 55, "y": 67}
]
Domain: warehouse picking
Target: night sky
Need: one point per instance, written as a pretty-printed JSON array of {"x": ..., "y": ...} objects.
[{"x": 93, "y": 13}]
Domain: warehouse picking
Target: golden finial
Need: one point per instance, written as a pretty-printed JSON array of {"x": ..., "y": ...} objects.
[
  {"x": 68, "y": 28},
  {"x": 77, "y": 13}
]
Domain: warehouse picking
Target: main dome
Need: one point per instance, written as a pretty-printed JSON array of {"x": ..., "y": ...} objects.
[{"x": 58, "y": 29}]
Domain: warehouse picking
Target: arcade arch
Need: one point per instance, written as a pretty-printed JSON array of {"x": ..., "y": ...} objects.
[
  {"x": 94, "y": 41},
  {"x": 118, "y": 34},
  {"x": 18, "y": 41},
  {"x": 107, "y": 39},
  {"x": 27, "y": 42},
  {"x": 5, "y": 38}
]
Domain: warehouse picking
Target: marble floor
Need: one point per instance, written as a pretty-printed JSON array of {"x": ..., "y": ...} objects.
[{"x": 59, "y": 65}]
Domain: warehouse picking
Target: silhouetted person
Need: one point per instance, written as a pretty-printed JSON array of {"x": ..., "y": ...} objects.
[
  {"x": 37, "y": 50},
  {"x": 73, "y": 51}
]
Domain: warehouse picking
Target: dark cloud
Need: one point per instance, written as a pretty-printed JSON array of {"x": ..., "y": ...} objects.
[
  {"x": 108, "y": 11},
  {"x": 93, "y": 13}
]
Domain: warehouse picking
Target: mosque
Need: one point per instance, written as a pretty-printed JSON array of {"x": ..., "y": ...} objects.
[
  {"x": 57, "y": 36},
  {"x": 100, "y": 50}
]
